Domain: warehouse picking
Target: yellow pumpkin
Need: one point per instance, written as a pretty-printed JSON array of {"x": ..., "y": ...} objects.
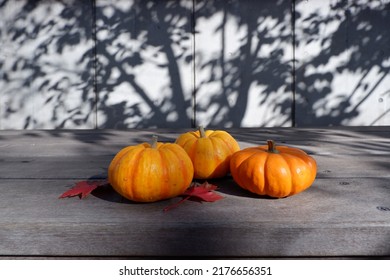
[
  {"x": 151, "y": 171},
  {"x": 274, "y": 171},
  {"x": 210, "y": 151}
]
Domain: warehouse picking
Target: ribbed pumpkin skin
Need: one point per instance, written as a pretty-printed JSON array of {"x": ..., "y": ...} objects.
[
  {"x": 145, "y": 174},
  {"x": 211, "y": 153},
  {"x": 274, "y": 174}
]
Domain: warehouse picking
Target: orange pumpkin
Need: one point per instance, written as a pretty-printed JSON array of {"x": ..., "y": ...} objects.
[
  {"x": 151, "y": 172},
  {"x": 274, "y": 171},
  {"x": 210, "y": 151}
]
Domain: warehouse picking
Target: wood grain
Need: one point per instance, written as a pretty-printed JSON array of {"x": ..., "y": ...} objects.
[{"x": 346, "y": 212}]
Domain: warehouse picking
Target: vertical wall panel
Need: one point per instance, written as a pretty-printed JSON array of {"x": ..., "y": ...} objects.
[
  {"x": 168, "y": 63},
  {"x": 144, "y": 69},
  {"x": 45, "y": 61},
  {"x": 243, "y": 63},
  {"x": 343, "y": 62}
]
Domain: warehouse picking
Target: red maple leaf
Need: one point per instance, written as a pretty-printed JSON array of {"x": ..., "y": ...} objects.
[
  {"x": 200, "y": 192},
  {"x": 83, "y": 188}
]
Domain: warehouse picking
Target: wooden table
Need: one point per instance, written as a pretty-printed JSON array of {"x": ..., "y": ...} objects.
[{"x": 346, "y": 212}]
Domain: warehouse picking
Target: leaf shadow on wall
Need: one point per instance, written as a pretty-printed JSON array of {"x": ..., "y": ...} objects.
[
  {"x": 46, "y": 64},
  {"x": 138, "y": 71},
  {"x": 135, "y": 64},
  {"x": 347, "y": 75}
]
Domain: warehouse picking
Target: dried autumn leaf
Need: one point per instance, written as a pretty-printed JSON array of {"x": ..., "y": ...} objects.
[
  {"x": 201, "y": 192},
  {"x": 83, "y": 188}
]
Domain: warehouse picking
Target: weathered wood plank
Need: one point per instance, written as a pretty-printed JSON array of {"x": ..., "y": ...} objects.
[
  {"x": 240, "y": 241},
  {"x": 344, "y": 213},
  {"x": 89, "y": 166},
  {"x": 329, "y": 219},
  {"x": 349, "y": 141}
]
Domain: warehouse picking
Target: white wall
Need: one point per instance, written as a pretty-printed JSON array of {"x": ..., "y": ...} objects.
[
  {"x": 222, "y": 63},
  {"x": 343, "y": 62}
]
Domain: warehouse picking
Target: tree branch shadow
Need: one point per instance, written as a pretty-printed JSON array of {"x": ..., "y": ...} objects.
[{"x": 145, "y": 52}]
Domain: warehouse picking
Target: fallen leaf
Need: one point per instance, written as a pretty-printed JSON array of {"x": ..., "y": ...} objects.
[
  {"x": 204, "y": 192},
  {"x": 200, "y": 192},
  {"x": 83, "y": 188}
]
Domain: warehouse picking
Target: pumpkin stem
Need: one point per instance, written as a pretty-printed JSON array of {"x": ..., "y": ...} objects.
[
  {"x": 153, "y": 143},
  {"x": 272, "y": 147},
  {"x": 201, "y": 131}
]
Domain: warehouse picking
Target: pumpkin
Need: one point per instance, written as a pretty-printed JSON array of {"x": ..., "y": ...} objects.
[
  {"x": 151, "y": 171},
  {"x": 273, "y": 171},
  {"x": 209, "y": 150}
]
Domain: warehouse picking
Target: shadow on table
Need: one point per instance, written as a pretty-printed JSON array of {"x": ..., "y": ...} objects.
[{"x": 225, "y": 186}]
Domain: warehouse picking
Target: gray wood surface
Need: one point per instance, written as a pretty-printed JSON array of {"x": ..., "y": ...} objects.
[{"x": 346, "y": 213}]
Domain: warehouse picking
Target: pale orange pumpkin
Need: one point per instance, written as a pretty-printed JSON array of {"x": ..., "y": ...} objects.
[
  {"x": 151, "y": 171},
  {"x": 274, "y": 171},
  {"x": 210, "y": 151}
]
